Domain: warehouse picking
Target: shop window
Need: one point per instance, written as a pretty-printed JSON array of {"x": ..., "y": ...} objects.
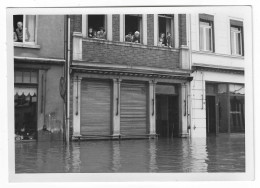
[
  {"x": 24, "y": 28},
  {"x": 97, "y": 26},
  {"x": 236, "y": 37},
  {"x": 165, "y": 27},
  {"x": 237, "y": 89},
  {"x": 28, "y": 77},
  {"x": 133, "y": 28},
  {"x": 206, "y": 32}
]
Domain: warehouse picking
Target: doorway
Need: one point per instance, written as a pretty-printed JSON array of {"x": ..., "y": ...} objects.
[
  {"x": 211, "y": 115},
  {"x": 167, "y": 115}
]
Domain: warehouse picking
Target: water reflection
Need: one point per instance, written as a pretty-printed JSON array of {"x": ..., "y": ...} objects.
[{"x": 225, "y": 153}]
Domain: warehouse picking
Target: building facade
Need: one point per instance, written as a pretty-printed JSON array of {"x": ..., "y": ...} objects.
[
  {"x": 131, "y": 78},
  {"x": 217, "y": 88},
  {"x": 38, "y": 67}
]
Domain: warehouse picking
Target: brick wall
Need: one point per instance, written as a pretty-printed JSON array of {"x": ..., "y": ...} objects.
[
  {"x": 76, "y": 23},
  {"x": 126, "y": 54},
  {"x": 150, "y": 29},
  {"x": 182, "y": 29},
  {"x": 116, "y": 27}
]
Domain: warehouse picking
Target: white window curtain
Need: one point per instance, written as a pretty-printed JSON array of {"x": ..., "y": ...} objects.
[{"x": 25, "y": 91}]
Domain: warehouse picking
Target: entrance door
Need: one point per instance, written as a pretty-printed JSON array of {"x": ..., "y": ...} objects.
[
  {"x": 95, "y": 107},
  {"x": 166, "y": 115},
  {"x": 133, "y": 109},
  {"x": 211, "y": 114}
]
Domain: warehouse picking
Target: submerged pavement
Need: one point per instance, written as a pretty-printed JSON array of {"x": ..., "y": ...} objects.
[{"x": 222, "y": 153}]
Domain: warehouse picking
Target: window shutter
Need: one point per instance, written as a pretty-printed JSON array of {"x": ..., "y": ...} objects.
[
  {"x": 236, "y": 23},
  {"x": 207, "y": 17}
]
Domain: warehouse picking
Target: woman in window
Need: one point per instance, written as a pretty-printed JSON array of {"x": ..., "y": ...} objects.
[
  {"x": 90, "y": 32},
  {"x": 129, "y": 37},
  {"x": 162, "y": 40},
  {"x": 136, "y": 37},
  {"x": 19, "y": 33}
]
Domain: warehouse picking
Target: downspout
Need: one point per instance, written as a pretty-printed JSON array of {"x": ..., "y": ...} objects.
[
  {"x": 68, "y": 83},
  {"x": 189, "y": 91}
]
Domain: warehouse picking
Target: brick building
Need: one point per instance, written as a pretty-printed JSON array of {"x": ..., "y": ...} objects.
[{"x": 129, "y": 89}]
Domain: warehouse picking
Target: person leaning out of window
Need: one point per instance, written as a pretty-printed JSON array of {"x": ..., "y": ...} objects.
[
  {"x": 136, "y": 37},
  {"x": 19, "y": 33},
  {"x": 101, "y": 34}
]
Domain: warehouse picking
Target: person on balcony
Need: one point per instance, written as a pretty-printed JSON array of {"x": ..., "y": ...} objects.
[
  {"x": 101, "y": 34},
  {"x": 90, "y": 32},
  {"x": 136, "y": 37},
  {"x": 129, "y": 37},
  {"x": 169, "y": 40},
  {"x": 162, "y": 40}
]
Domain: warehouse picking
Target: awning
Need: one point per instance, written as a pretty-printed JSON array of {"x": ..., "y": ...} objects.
[{"x": 25, "y": 91}]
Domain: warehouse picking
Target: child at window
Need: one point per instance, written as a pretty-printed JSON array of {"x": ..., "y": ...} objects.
[
  {"x": 101, "y": 34},
  {"x": 90, "y": 32},
  {"x": 169, "y": 40},
  {"x": 162, "y": 41},
  {"x": 129, "y": 37},
  {"x": 136, "y": 37},
  {"x": 94, "y": 34},
  {"x": 14, "y": 36}
]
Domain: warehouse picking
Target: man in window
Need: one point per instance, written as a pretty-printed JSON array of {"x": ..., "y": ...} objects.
[{"x": 19, "y": 32}]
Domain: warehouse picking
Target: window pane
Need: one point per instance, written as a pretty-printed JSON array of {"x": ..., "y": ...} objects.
[
  {"x": 222, "y": 88},
  {"x": 201, "y": 39},
  {"x": 237, "y": 114},
  {"x": 30, "y": 28},
  {"x": 207, "y": 39},
  {"x": 26, "y": 77},
  {"x": 237, "y": 89},
  {"x": 34, "y": 77},
  {"x": 18, "y": 77}
]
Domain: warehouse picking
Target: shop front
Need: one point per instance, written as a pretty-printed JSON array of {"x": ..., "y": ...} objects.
[{"x": 225, "y": 108}]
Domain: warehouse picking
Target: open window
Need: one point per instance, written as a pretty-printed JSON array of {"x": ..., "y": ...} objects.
[
  {"x": 24, "y": 28},
  {"x": 236, "y": 37},
  {"x": 206, "y": 32},
  {"x": 165, "y": 28},
  {"x": 97, "y": 26},
  {"x": 133, "y": 27}
]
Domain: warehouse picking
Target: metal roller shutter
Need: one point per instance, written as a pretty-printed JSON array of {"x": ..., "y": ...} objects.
[
  {"x": 95, "y": 108},
  {"x": 133, "y": 109}
]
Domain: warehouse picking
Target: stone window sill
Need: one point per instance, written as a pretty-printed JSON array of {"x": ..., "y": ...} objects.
[{"x": 26, "y": 45}]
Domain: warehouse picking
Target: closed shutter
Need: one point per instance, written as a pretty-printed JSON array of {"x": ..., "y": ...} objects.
[
  {"x": 95, "y": 108},
  {"x": 133, "y": 109}
]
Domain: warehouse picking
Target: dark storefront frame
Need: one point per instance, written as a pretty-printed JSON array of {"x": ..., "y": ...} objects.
[{"x": 222, "y": 113}]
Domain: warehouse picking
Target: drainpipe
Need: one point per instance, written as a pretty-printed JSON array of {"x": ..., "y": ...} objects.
[
  {"x": 68, "y": 82},
  {"x": 189, "y": 91}
]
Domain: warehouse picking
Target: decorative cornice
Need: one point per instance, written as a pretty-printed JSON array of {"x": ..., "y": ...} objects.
[{"x": 133, "y": 73}]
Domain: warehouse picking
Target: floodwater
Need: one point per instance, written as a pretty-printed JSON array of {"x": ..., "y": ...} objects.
[{"x": 223, "y": 153}]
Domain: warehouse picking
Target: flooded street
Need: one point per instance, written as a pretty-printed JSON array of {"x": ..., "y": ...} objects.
[{"x": 223, "y": 153}]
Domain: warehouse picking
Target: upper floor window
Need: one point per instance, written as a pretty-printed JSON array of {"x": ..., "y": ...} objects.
[
  {"x": 165, "y": 27},
  {"x": 24, "y": 76},
  {"x": 97, "y": 26},
  {"x": 206, "y": 32},
  {"x": 236, "y": 37},
  {"x": 133, "y": 28},
  {"x": 24, "y": 28}
]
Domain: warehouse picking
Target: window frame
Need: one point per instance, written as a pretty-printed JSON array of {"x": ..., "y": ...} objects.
[
  {"x": 234, "y": 32},
  {"x": 29, "y": 44},
  {"x": 172, "y": 27},
  {"x": 105, "y": 25},
  {"x": 141, "y": 28},
  {"x": 211, "y": 27}
]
